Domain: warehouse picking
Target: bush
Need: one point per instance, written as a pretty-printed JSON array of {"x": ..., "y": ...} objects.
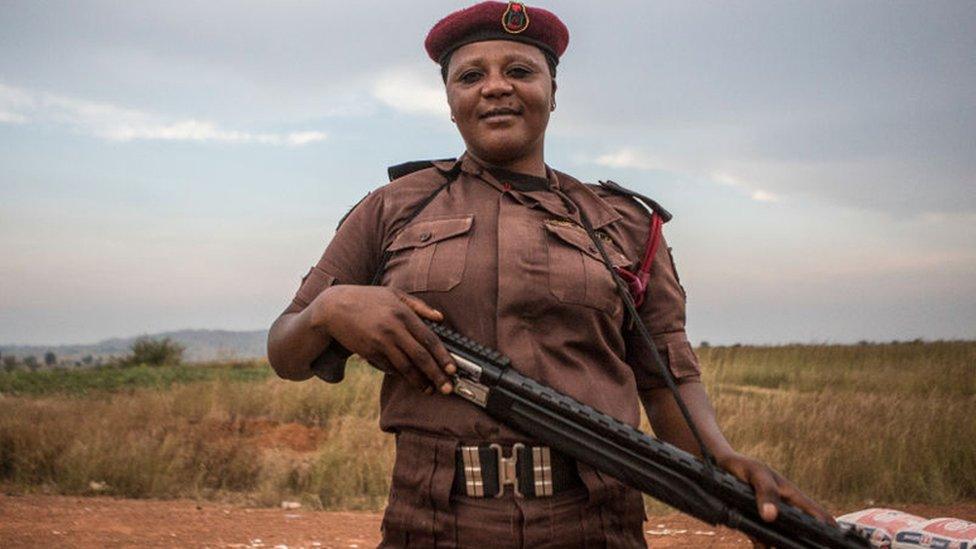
[{"x": 155, "y": 352}]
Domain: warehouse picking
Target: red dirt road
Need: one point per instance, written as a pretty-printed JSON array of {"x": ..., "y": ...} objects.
[{"x": 60, "y": 521}]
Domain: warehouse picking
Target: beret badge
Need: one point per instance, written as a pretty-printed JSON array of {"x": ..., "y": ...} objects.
[{"x": 516, "y": 18}]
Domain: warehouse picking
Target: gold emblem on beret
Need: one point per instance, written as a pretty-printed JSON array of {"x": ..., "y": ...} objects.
[{"x": 516, "y": 17}]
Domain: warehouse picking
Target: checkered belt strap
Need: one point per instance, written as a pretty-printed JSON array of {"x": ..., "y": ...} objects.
[{"x": 536, "y": 471}]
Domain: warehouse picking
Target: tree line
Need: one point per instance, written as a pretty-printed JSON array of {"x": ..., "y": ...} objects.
[{"x": 144, "y": 350}]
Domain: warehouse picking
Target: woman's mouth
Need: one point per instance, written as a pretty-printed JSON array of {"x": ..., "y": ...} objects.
[{"x": 501, "y": 113}]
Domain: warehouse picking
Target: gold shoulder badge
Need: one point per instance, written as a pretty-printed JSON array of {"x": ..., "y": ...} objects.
[{"x": 516, "y": 17}]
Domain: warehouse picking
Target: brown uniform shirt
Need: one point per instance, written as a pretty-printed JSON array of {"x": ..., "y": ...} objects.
[{"x": 514, "y": 270}]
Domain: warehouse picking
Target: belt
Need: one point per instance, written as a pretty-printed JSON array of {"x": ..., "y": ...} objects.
[{"x": 533, "y": 471}]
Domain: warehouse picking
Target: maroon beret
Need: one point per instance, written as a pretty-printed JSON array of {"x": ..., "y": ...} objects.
[{"x": 498, "y": 21}]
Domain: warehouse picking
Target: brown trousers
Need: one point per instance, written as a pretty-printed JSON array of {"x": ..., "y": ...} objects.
[{"x": 422, "y": 511}]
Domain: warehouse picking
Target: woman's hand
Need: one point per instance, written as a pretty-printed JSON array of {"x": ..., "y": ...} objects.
[
  {"x": 771, "y": 488},
  {"x": 383, "y": 325}
]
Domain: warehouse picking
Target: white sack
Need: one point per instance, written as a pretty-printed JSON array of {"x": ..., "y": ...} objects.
[
  {"x": 940, "y": 533},
  {"x": 880, "y": 525}
]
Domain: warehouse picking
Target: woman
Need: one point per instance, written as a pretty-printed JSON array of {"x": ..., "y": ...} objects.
[{"x": 494, "y": 244}]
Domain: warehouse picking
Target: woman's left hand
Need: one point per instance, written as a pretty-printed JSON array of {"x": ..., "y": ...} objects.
[{"x": 771, "y": 488}]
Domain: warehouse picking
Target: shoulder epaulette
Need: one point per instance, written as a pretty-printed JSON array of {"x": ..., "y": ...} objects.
[
  {"x": 407, "y": 168},
  {"x": 652, "y": 204}
]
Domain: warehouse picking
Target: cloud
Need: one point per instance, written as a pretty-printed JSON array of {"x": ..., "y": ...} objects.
[
  {"x": 302, "y": 138},
  {"x": 117, "y": 123},
  {"x": 757, "y": 194},
  {"x": 856, "y": 112},
  {"x": 12, "y": 118},
  {"x": 763, "y": 196},
  {"x": 632, "y": 158},
  {"x": 13, "y": 104},
  {"x": 628, "y": 158},
  {"x": 412, "y": 92}
]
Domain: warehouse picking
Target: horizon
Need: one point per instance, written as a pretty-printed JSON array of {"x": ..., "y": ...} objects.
[
  {"x": 180, "y": 164},
  {"x": 4, "y": 345},
  {"x": 694, "y": 343}
]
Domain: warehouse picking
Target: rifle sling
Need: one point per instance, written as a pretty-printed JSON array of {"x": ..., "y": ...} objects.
[
  {"x": 645, "y": 335},
  {"x": 330, "y": 365}
]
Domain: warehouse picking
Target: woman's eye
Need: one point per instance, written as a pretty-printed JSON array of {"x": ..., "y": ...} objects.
[
  {"x": 519, "y": 72},
  {"x": 469, "y": 77}
]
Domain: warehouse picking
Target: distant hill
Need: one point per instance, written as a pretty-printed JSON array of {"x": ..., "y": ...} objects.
[{"x": 201, "y": 346}]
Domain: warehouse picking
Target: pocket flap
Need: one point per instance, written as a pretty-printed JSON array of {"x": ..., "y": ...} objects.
[
  {"x": 682, "y": 360},
  {"x": 423, "y": 233},
  {"x": 314, "y": 283},
  {"x": 576, "y": 236}
]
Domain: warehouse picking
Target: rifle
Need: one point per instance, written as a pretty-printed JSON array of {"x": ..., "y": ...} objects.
[{"x": 656, "y": 468}]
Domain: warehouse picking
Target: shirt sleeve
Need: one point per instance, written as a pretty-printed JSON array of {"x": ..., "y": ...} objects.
[
  {"x": 663, "y": 313},
  {"x": 351, "y": 257}
]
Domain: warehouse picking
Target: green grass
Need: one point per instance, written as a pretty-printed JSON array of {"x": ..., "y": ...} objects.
[{"x": 82, "y": 381}]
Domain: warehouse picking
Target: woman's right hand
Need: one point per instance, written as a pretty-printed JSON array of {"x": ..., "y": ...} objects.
[{"x": 383, "y": 325}]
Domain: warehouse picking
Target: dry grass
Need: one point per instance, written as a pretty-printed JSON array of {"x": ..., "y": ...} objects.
[
  {"x": 210, "y": 439},
  {"x": 887, "y": 422},
  {"x": 891, "y": 423}
]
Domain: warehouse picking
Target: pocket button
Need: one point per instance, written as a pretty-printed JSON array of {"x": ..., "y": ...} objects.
[{"x": 424, "y": 237}]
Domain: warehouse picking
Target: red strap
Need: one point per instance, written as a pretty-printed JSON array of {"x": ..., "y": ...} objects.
[
  {"x": 637, "y": 282},
  {"x": 650, "y": 249}
]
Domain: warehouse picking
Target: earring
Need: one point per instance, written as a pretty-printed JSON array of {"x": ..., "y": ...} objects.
[
  {"x": 552, "y": 106},
  {"x": 453, "y": 119}
]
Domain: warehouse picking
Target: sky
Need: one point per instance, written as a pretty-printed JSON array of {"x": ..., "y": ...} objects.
[{"x": 169, "y": 165}]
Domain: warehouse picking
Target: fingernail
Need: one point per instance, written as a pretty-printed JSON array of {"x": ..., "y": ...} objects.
[
  {"x": 450, "y": 368},
  {"x": 769, "y": 511},
  {"x": 446, "y": 388}
]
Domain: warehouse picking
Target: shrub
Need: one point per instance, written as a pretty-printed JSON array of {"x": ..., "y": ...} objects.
[{"x": 155, "y": 352}]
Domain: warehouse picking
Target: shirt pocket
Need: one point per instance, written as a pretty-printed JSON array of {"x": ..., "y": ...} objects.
[
  {"x": 576, "y": 271},
  {"x": 429, "y": 255}
]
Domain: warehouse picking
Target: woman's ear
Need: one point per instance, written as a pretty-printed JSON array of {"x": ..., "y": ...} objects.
[
  {"x": 552, "y": 97},
  {"x": 450, "y": 106}
]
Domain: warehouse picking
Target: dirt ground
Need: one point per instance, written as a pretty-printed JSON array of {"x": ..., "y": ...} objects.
[{"x": 61, "y": 521}]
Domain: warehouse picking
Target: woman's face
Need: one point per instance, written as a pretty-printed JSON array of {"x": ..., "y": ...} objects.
[{"x": 500, "y": 94}]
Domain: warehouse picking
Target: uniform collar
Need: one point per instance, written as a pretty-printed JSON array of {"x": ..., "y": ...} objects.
[
  {"x": 467, "y": 164},
  {"x": 596, "y": 209}
]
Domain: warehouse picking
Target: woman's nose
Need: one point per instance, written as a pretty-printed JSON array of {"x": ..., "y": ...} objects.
[{"x": 496, "y": 84}]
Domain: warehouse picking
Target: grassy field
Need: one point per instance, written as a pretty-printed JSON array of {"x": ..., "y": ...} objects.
[
  {"x": 98, "y": 381},
  {"x": 891, "y": 423}
]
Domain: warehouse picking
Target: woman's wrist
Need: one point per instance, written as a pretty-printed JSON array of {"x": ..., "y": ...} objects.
[
  {"x": 722, "y": 458},
  {"x": 319, "y": 312}
]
